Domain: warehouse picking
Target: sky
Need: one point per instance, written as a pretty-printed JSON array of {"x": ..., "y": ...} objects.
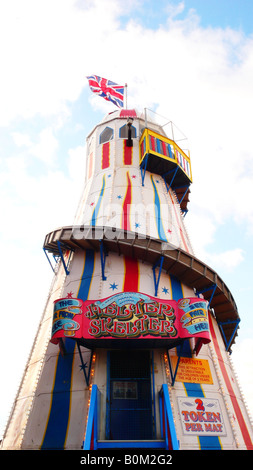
[{"x": 190, "y": 61}]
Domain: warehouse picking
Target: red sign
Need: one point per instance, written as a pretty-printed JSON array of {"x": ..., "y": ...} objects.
[{"x": 130, "y": 315}]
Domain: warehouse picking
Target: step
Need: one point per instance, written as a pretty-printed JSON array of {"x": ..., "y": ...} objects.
[{"x": 128, "y": 444}]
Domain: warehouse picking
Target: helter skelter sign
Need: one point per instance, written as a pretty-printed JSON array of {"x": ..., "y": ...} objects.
[{"x": 130, "y": 315}]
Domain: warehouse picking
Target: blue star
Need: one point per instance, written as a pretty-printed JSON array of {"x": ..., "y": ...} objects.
[
  {"x": 113, "y": 286},
  {"x": 119, "y": 197},
  {"x": 165, "y": 290},
  {"x": 137, "y": 225}
]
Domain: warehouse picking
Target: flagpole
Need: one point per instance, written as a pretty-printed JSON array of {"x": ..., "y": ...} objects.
[{"x": 125, "y": 96}]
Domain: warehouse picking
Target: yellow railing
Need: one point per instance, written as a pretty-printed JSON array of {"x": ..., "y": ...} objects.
[{"x": 152, "y": 143}]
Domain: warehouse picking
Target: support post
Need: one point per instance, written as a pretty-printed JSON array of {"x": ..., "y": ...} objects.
[
  {"x": 174, "y": 374},
  {"x": 44, "y": 249},
  {"x": 172, "y": 179},
  {"x": 143, "y": 170},
  {"x": 156, "y": 281},
  {"x": 182, "y": 198},
  {"x": 201, "y": 291},
  {"x": 62, "y": 257},
  {"x": 228, "y": 322},
  {"x": 103, "y": 255},
  {"x": 83, "y": 365}
]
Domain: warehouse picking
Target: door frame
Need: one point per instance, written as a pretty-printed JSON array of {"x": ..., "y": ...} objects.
[{"x": 152, "y": 394}]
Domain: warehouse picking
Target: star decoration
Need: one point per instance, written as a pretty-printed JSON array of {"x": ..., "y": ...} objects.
[
  {"x": 165, "y": 290},
  {"x": 113, "y": 286},
  {"x": 119, "y": 196},
  {"x": 137, "y": 225},
  {"x": 92, "y": 203},
  {"x": 70, "y": 295},
  {"x": 133, "y": 176},
  {"x": 169, "y": 231}
]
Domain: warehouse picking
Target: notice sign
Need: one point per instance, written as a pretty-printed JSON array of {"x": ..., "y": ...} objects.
[
  {"x": 192, "y": 370},
  {"x": 201, "y": 417}
]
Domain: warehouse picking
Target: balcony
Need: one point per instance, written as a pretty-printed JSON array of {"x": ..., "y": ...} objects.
[{"x": 162, "y": 156}]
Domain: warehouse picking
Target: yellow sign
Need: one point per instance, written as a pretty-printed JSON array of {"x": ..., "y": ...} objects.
[{"x": 192, "y": 370}]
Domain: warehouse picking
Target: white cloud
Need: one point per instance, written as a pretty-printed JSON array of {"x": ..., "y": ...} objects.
[
  {"x": 21, "y": 140},
  {"x": 174, "y": 10},
  {"x": 228, "y": 260},
  {"x": 44, "y": 149},
  {"x": 45, "y": 49}
]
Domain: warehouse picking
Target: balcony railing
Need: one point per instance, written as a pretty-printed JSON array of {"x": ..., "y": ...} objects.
[
  {"x": 168, "y": 432},
  {"x": 166, "y": 149},
  {"x": 161, "y": 155},
  {"x": 91, "y": 435}
]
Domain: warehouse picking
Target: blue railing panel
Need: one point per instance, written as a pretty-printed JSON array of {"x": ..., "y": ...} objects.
[
  {"x": 166, "y": 419},
  {"x": 92, "y": 428}
]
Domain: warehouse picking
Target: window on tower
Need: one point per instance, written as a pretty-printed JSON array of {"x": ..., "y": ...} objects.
[
  {"x": 106, "y": 135},
  {"x": 123, "y": 132}
]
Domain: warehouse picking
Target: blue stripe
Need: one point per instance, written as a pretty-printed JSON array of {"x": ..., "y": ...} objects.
[
  {"x": 159, "y": 223},
  {"x": 59, "y": 414},
  {"x": 87, "y": 275},
  {"x": 209, "y": 443},
  {"x": 194, "y": 389},
  {"x": 57, "y": 425},
  {"x": 177, "y": 292},
  {"x": 95, "y": 212}
]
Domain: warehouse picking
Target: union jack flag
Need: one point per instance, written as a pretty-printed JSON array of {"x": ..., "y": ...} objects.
[{"x": 109, "y": 90}]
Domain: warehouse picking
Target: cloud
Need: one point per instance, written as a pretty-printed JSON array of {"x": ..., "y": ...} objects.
[
  {"x": 44, "y": 49},
  {"x": 44, "y": 149},
  {"x": 229, "y": 259}
]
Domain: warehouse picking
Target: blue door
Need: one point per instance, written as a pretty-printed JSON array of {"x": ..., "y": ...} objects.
[{"x": 129, "y": 400}]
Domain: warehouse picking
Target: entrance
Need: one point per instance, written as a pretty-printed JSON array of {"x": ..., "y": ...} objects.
[{"x": 129, "y": 399}]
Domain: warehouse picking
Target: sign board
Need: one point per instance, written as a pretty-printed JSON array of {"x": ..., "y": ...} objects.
[
  {"x": 130, "y": 315},
  {"x": 192, "y": 370},
  {"x": 201, "y": 416}
]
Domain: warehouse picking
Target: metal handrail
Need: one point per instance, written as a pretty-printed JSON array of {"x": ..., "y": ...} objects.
[
  {"x": 91, "y": 435},
  {"x": 172, "y": 158},
  {"x": 168, "y": 430}
]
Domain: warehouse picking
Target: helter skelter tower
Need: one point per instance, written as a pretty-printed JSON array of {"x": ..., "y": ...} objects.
[{"x": 133, "y": 347}]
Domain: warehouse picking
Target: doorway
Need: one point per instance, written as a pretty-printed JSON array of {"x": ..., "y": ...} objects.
[{"x": 129, "y": 395}]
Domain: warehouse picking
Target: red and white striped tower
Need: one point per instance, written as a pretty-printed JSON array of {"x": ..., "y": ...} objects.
[{"x": 134, "y": 322}]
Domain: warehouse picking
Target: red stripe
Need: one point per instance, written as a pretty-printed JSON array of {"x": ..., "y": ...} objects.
[
  {"x": 241, "y": 422},
  {"x": 152, "y": 142},
  {"x": 126, "y": 205},
  {"x": 127, "y": 154},
  {"x": 179, "y": 226},
  {"x": 92, "y": 438},
  {"x": 90, "y": 165},
  {"x": 128, "y": 112},
  {"x": 131, "y": 281},
  {"x": 142, "y": 148},
  {"x": 164, "y": 148},
  {"x": 105, "y": 155}
]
